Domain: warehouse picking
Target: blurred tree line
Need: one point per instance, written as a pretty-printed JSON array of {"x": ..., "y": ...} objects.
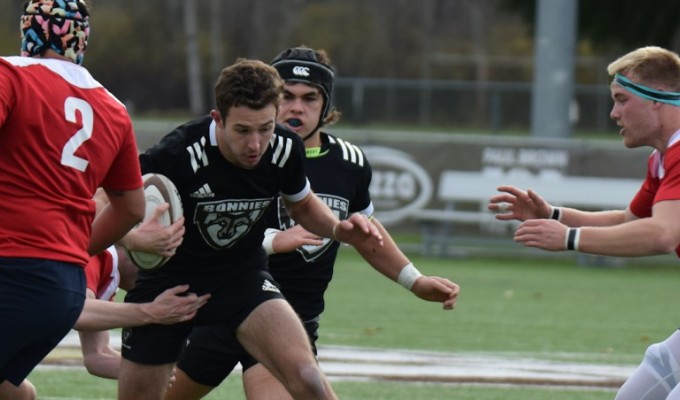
[
  {"x": 628, "y": 23},
  {"x": 138, "y": 49}
]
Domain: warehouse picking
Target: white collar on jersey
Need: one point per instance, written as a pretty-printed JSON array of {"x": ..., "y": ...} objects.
[
  {"x": 213, "y": 137},
  {"x": 72, "y": 73}
]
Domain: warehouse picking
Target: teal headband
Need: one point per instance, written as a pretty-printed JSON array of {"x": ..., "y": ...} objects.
[{"x": 648, "y": 93}]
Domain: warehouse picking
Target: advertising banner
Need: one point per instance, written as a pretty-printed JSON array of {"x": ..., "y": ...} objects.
[{"x": 414, "y": 174}]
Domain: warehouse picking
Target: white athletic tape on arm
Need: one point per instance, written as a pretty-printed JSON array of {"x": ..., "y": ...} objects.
[
  {"x": 268, "y": 241},
  {"x": 408, "y": 276}
]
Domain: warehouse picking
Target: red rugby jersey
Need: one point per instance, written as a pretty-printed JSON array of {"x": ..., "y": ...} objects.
[
  {"x": 662, "y": 181},
  {"x": 62, "y": 134}
]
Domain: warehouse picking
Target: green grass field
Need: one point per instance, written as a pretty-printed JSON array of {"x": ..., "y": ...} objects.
[
  {"x": 69, "y": 385},
  {"x": 531, "y": 306},
  {"x": 539, "y": 308}
]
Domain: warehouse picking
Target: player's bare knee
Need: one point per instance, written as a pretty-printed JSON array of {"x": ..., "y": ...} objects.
[
  {"x": 306, "y": 381},
  {"x": 29, "y": 390},
  {"x": 25, "y": 391}
]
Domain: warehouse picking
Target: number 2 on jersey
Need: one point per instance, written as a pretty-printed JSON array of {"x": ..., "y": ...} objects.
[{"x": 68, "y": 157}]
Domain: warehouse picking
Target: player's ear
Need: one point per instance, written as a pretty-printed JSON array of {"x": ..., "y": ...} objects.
[{"x": 217, "y": 117}]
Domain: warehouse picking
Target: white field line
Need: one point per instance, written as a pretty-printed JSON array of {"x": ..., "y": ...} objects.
[{"x": 349, "y": 363}]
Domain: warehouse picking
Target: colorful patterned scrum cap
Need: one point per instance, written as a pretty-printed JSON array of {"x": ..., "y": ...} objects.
[{"x": 59, "y": 25}]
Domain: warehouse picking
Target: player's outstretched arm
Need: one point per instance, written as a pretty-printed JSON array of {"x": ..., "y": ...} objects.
[
  {"x": 358, "y": 229},
  {"x": 514, "y": 203},
  {"x": 315, "y": 216},
  {"x": 658, "y": 234},
  {"x": 170, "y": 307},
  {"x": 99, "y": 358},
  {"x": 437, "y": 289},
  {"x": 389, "y": 260},
  {"x": 276, "y": 241}
]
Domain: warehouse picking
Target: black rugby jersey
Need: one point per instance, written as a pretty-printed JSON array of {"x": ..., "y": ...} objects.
[
  {"x": 340, "y": 175},
  {"x": 223, "y": 204}
]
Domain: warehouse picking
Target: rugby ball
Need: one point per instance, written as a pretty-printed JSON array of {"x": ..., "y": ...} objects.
[{"x": 158, "y": 190}]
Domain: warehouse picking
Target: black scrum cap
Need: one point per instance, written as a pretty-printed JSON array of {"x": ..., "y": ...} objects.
[{"x": 301, "y": 64}]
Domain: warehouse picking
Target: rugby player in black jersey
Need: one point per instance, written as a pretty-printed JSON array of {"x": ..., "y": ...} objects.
[
  {"x": 303, "y": 264},
  {"x": 228, "y": 167}
]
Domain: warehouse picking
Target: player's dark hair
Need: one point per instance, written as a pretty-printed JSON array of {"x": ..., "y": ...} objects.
[{"x": 250, "y": 83}]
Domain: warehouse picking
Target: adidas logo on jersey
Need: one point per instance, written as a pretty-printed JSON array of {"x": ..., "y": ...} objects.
[
  {"x": 269, "y": 287},
  {"x": 203, "y": 192}
]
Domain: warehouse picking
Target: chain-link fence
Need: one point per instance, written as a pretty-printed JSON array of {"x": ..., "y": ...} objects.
[{"x": 487, "y": 106}]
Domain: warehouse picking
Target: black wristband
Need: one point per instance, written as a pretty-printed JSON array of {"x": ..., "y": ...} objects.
[
  {"x": 556, "y": 213},
  {"x": 571, "y": 239}
]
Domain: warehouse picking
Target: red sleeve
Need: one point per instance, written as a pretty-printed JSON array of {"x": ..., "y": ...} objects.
[
  {"x": 94, "y": 270},
  {"x": 641, "y": 205},
  {"x": 660, "y": 183},
  {"x": 101, "y": 278}
]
